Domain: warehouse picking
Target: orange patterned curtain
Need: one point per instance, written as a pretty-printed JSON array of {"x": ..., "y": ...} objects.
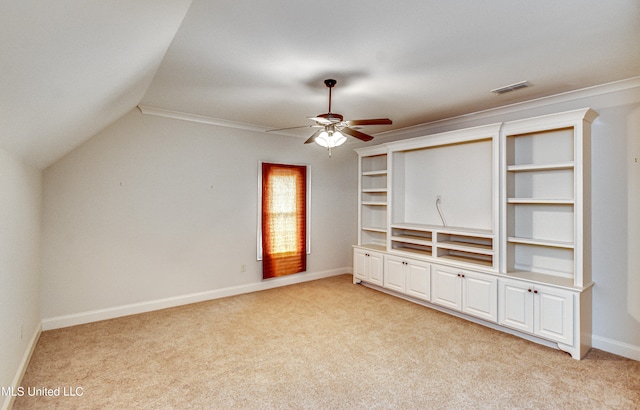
[{"x": 284, "y": 214}]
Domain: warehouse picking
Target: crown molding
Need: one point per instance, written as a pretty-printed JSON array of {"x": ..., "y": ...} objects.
[
  {"x": 421, "y": 128},
  {"x": 627, "y": 84},
  {"x": 203, "y": 119}
]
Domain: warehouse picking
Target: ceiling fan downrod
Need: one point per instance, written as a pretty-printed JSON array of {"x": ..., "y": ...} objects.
[{"x": 330, "y": 83}]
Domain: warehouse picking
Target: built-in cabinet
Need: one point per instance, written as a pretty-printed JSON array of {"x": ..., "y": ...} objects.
[
  {"x": 368, "y": 266},
  {"x": 409, "y": 276},
  {"x": 537, "y": 309},
  {"x": 466, "y": 291},
  {"x": 490, "y": 222}
]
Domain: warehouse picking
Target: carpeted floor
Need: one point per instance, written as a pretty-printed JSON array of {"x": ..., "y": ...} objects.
[{"x": 326, "y": 344}]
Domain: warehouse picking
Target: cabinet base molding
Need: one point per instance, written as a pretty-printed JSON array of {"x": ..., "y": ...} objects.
[{"x": 575, "y": 353}]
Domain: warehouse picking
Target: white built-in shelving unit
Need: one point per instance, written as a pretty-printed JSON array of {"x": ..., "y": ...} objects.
[
  {"x": 490, "y": 223},
  {"x": 373, "y": 198}
]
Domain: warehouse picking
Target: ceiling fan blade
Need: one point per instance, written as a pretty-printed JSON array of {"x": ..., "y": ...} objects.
[
  {"x": 313, "y": 137},
  {"x": 321, "y": 120},
  {"x": 291, "y": 128},
  {"x": 357, "y": 134},
  {"x": 374, "y": 121}
]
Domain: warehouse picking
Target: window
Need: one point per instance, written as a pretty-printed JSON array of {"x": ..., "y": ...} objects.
[{"x": 283, "y": 227}]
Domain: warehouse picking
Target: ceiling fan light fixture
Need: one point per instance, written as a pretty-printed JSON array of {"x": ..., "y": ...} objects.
[{"x": 329, "y": 139}]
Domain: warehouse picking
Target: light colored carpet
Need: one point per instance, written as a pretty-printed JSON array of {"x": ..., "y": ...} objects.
[{"x": 321, "y": 344}]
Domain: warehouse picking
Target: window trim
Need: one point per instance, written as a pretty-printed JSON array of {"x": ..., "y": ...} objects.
[{"x": 259, "y": 213}]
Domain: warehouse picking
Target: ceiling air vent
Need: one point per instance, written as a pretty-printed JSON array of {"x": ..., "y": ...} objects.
[{"x": 511, "y": 87}]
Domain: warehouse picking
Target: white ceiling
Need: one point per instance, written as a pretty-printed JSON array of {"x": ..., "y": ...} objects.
[{"x": 69, "y": 68}]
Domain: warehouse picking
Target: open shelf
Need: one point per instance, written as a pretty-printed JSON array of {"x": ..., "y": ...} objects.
[
  {"x": 541, "y": 242},
  {"x": 411, "y": 234},
  {"x": 374, "y": 183},
  {"x": 469, "y": 246},
  {"x": 540, "y": 201},
  {"x": 542, "y": 278},
  {"x": 540, "y": 258},
  {"x": 466, "y": 257},
  {"x": 470, "y": 243},
  {"x": 545, "y": 147},
  {"x": 541, "y": 167},
  {"x": 373, "y": 199},
  {"x": 374, "y": 173},
  {"x": 415, "y": 249},
  {"x": 374, "y": 164}
]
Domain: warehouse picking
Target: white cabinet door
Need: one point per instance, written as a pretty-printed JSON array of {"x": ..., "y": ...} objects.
[
  {"x": 375, "y": 268},
  {"x": 469, "y": 292},
  {"x": 394, "y": 277},
  {"x": 409, "y": 276},
  {"x": 446, "y": 287},
  {"x": 542, "y": 310},
  {"x": 359, "y": 264},
  {"x": 553, "y": 314},
  {"x": 480, "y": 295},
  {"x": 516, "y": 305},
  {"x": 418, "y": 280},
  {"x": 367, "y": 266}
]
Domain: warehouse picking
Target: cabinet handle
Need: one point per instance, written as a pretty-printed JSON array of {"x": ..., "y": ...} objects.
[
  {"x": 463, "y": 275},
  {"x": 535, "y": 291},
  {"x": 529, "y": 290}
]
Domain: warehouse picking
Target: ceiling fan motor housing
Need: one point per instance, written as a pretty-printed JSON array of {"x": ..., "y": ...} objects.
[{"x": 332, "y": 117}]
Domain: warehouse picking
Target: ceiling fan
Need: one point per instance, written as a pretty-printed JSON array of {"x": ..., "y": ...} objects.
[{"x": 331, "y": 126}]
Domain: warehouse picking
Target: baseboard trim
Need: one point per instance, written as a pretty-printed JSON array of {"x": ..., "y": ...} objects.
[
  {"x": 22, "y": 368},
  {"x": 58, "y": 322},
  {"x": 616, "y": 347}
]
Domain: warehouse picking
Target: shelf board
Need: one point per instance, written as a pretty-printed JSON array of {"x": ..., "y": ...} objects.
[
  {"x": 565, "y": 282},
  {"x": 540, "y": 167},
  {"x": 454, "y": 230},
  {"x": 372, "y": 203},
  {"x": 375, "y": 173},
  {"x": 539, "y": 201},
  {"x": 411, "y": 251},
  {"x": 473, "y": 261},
  {"x": 374, "y": 190},
  {"x": 373, "y": 247},
  {"x": 541, "y": 242},
  {"x": 416, "y": 240},
  {"x": 467, "y": 247},
  {"x": 374, "y": 229}
]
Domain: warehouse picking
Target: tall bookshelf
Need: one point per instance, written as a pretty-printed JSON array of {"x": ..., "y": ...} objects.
[
  {"x": 546, "y": 187},
  {"x": 373, "y": 189}
]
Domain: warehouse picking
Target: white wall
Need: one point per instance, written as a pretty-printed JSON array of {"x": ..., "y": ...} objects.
[
  {"x": 155, "y": 208},
  {"x": 615, "y": 200},
  {"x": 20, "y": 205}
]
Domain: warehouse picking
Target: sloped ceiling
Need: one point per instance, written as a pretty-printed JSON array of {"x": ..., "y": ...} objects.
[{"x": 70, "y": 68}]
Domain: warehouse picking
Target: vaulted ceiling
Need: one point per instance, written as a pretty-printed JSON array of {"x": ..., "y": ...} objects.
[{"x": 69, "y": 68}]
